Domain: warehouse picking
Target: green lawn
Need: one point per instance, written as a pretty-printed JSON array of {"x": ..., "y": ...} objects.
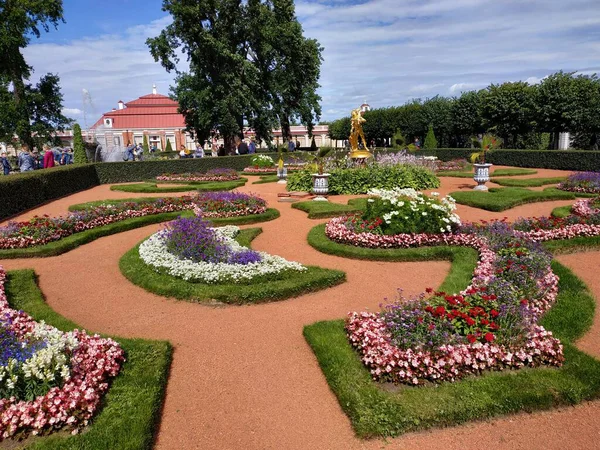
[
  {"x": 561, "y": 211},
  {"x": 151, "y": 187},
  {"x": 131, "y": 408},
  {"x": 75, "y": 240},
  {"x": 376, "y": 411},
  {"x": 117, "y": 201},
  {"x": 267, "y": 179},
  {"x": 527, "y": 182},
  {"x": 501, "y": 199},
  {"x": 320, "y": 210},
  {"x": 271, "y": 288}
]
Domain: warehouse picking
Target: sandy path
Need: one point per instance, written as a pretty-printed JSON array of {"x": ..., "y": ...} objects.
[{"x": 244, "y": 377}]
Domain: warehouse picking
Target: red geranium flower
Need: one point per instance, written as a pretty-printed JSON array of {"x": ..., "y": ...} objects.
[
  {"x": 489, "y": 337},
  {"x": 471, "y": 338}
]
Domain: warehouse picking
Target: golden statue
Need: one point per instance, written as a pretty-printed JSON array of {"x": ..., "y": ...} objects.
[{"x": 357, "y": 120}]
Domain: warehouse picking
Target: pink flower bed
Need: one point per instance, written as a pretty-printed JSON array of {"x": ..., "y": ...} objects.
[
  {"x": 370, "y": 335},
  {"x": 93, "y": 363},
  {"x": 585, "y": 207},
  {"x": 271, "y": 170}
]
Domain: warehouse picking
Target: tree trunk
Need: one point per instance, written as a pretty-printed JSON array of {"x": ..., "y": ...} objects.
[{"x": 23, "y": 129}]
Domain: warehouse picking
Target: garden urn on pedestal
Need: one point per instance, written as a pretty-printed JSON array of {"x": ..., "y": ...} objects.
[
  {"x": 320, "y": 186},
  {"x": 482, "y": 176},
  {"x": 282, "y": 175}
]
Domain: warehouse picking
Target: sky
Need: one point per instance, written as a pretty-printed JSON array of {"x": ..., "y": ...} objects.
[{"x": 384, "y": 52}]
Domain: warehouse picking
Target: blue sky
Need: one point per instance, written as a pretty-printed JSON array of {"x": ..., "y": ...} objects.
[{"x": 383, "y": 51}]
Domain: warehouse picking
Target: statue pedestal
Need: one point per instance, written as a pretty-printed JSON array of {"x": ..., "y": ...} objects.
[
  {"x": 360, "y": 154},
  {"x": 282, "y": 175}
]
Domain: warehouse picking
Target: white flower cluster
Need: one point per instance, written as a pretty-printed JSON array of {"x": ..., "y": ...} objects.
[
  {"x": 154, "y": 252},
  {"x": 417, "y": 201},
  {"x": 262, "y": 158},
  {"x": 47, "y": 365}
]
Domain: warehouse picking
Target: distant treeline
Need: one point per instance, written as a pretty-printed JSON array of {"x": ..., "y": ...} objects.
[{"x": 523, "y": 115}]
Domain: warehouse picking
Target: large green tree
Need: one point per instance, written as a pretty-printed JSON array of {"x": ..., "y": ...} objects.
[
  {"x": 466, "y": 117},
  {"x": 31, "y": 113},
  {"x": 249, "y": 65}
]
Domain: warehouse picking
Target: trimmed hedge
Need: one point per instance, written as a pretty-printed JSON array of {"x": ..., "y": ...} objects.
[
  {"x": 24, "y": 191},
  {"x": 581, "y": 160},
  {"x": 123, "y": 172}
]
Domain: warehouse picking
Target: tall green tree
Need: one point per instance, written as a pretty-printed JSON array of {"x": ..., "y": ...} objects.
[
  {"x": 79, "y": 155},
  {"x": 35, "y": 111},
  {"x": 249, "y": 65},
  {"x": 437, "y": 112},
  {"x": 466, "y": 117},
  {"x": 508, "y": 110},
  {"x": 430, "y": 140}
]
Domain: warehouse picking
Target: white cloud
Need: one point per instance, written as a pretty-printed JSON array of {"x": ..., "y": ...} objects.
[
  {"x": 387, "y": 51},
  {"x": 72, "y": 111}
]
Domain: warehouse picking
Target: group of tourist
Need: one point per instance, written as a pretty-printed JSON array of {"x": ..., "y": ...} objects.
[{"x": 29, "y": 160}]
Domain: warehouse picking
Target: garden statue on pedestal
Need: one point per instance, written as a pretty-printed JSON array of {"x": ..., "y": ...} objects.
[
  {"x": 356, "y": 132},
  {"x": 281, "y": 170},
  {"x": 482, "y": 169}
]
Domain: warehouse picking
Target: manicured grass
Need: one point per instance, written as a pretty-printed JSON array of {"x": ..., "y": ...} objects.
[
  {"x": 320, "y": 210},
  {"x": 495, "y": 173},
  {"x": 276, "y": 287},
  {"x": 501, "y": 199},
  {"x": 75, "y": 240},
  {"x": 527, "y": 182},
  {"x": 561, "y": 211},
  {"x": 205, "y": 186},
  {"x": 130, "y": 413},
  {"x": 116, "y": 201},
  {"x": 267, "y": 179},
  {"x": 376, "y": 412}
]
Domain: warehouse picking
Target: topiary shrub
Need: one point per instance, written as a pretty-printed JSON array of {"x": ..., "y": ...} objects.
[
  {"x": 145, "y": 145},
  {"x": 79, "y": 156},
  {"x": 168, "y": 148},
  {"x": 430, "y": 140},
  {"x": 360, "y": 180}
]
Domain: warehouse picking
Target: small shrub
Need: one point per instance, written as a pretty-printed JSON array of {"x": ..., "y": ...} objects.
[{"x": 430, "y": 140}]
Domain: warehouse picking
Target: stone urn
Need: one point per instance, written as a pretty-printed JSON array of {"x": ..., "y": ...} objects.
[
  {"x": 282, "y": 175},
  {"x": 320, "y": 186},
  {"x": 482, "y": 176}
]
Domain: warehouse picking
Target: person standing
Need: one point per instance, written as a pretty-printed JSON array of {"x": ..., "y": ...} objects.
[
  {"x": 48, "y": 157},
  {"x": 25, "y": 160},
  {"x": 199, "y": 152},
  {"x": 140, "y": 152},
  {"x": 297, "y": 145},
  {"x": 214, "y": 150},
  {"x": 5, "y": 163},
  {"x": 291, "y": 146},
  {"x": 242, "y": 147},
  {"x": 252, "y": 147},
  {"x": 129, "y": 152}
]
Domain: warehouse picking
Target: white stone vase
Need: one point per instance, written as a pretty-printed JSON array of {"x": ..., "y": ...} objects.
[
  {"x": 282, "y": 175},
  {"x": 320, "y": 186},
  {"x": 482, "y": 176}
]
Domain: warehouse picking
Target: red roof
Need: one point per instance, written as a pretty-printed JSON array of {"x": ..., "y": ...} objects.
[{"x": 148, "y": 111}]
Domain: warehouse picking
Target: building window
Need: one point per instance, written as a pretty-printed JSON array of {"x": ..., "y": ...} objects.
[
  {"x": 171, "y": 139},
  {"x": 155, "y": 141},
  {"x": 138, "y": 139},
  {"x": 117, "y": 141}
]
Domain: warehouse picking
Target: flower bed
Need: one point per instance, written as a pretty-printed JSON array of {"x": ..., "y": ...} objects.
[
  {"x": 458, "y": 165},
  {"x": 211, "y": 175},
  {"x": 191, "y": 250},
  {"x": 272, "y": 170},
  {"x": 43, "y": 230},
  {"x": 492, "y": 325},
  {"x": 50, "y": 379},
  {"x": 228, "y": 204},
  {"x": 585, "y": 182}
]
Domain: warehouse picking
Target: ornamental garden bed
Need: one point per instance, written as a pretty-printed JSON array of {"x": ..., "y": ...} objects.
[
  {"x": 495, "y": 173},
  {"x": 48, "y": 236},
  {"x": 584, "y": 182},
  {"x": 191, "y": 261},
  {"x": 153, "y": 187},
  {"x": 130, "y": 409},
  {"x": 491, "y": 325},
  {"x": 501, "y": 199},
  {"x": 213, "y": 175}
]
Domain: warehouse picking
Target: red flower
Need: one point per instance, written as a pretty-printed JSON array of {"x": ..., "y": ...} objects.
[
  {"x": 470, "y": 322},
  {"x": 494, "y": 313},
  {"x": 429, "y": 290},
  {"x": 440, "y": 311},
  {"x": 489, "y": 337},
  {"x": 524, "y": 301},
  {"x": 471, "y": 338}
]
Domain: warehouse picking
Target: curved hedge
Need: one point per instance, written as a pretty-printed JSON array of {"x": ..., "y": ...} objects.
[{"x": 360, "y": 180}]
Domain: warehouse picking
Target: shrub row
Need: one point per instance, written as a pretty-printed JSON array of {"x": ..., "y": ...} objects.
[
  {"x": 360, "y": 180},
  {"x": 543, "y": 159},
  {"x": 21, "y": 192}
]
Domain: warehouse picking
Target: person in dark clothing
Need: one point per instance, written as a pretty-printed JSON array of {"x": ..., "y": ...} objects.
[
  {"x": 242, "y": 147},
  {"x": 221, "y": 151},
  {"x": 5, "y": 163}
]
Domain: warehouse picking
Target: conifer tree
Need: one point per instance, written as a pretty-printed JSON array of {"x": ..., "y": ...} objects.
[{"x": 430, "y": 140}]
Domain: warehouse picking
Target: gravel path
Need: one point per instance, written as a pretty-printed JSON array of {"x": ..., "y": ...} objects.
[{"x": 244, "y": 377}]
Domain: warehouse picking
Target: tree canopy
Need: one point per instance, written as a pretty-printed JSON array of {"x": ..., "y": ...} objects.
[
  {"x": 249, "y": 65},
  {"x": 523, "y": 115},
  {"x": 32, "y": 113}
]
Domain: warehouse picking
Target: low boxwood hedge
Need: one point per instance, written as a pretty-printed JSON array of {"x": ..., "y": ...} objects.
[{"x": 360, "y": 180}]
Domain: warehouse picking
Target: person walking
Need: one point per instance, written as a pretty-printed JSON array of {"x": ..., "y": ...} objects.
[
  {"x": 48, "y": 157},
  {"x": 199, "y": 152},
  {"x": 291, "y": 146},
  {"x": 140, "y": 152},
  {"x": 5, "y": 163},
  {"x": 25, "y": 160},
  {"x": 130, "y": 155}
]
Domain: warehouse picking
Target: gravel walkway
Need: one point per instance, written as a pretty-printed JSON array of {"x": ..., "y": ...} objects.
[{"x": 244, "y": 377}]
